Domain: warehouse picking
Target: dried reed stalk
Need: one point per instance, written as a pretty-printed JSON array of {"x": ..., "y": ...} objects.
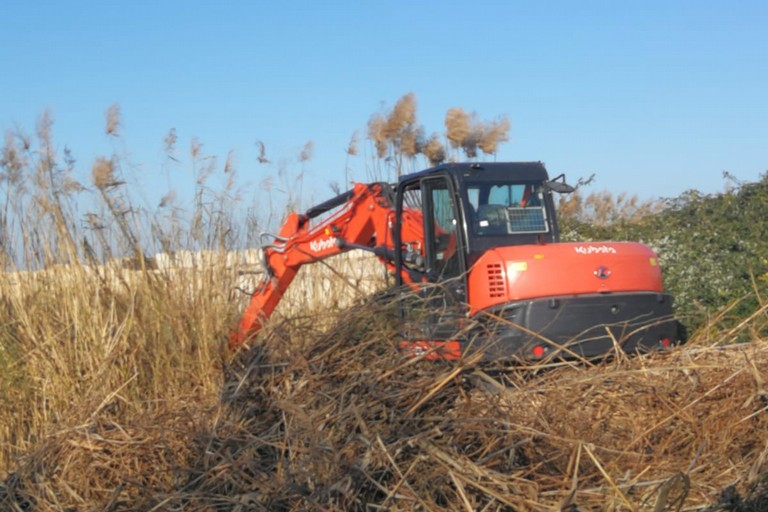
[{"x": 337, "y": 420}]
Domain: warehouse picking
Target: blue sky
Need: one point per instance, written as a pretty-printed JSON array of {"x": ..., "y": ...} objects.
[{"x": 652, "y": 97}]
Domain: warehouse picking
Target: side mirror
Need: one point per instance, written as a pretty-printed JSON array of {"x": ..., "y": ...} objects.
[{"x": 561, "y": 187}]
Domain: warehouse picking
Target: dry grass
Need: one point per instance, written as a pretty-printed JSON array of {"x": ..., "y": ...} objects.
[
  {"x": 468, "y": 133},
  {"x": 78, "y": 340},
  {"x": 338, "y": 420},
  {"x": 605, "y": 208},
  {"x": 398, "y": 138}
]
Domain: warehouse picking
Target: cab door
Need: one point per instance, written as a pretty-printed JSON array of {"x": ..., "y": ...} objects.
[
  {"x": 443, "y": 236},
  {"x": 429, "y": 229}
]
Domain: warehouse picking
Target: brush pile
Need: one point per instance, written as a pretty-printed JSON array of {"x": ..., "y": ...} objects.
[{"x": 341, "y": 421}]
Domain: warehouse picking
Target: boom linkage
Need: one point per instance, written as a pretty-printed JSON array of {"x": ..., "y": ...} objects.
[{"x": 363, "y": 221}]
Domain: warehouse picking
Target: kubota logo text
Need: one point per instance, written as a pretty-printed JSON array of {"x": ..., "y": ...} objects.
[
  {"x": 322, "y": 245},
  {"x": 595, "y": 249}
]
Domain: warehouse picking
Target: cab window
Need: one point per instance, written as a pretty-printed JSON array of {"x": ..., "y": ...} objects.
[{"x": 507, "y": 208}]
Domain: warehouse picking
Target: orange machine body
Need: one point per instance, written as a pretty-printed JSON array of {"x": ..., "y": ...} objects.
[{"x": 523, "y": 272}]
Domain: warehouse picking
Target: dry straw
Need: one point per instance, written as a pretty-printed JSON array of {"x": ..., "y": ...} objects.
[{"x": 340, "y": 420}]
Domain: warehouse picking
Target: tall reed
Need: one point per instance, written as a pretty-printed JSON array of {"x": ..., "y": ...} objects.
[{"x": 88, "y": 324}]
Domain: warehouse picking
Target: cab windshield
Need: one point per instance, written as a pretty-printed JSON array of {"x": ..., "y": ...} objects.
[{"x": 506, "y": 208}]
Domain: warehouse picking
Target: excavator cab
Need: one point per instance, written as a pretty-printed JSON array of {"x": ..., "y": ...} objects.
[
  {"x": 447, "y": 217},
  {"x": 504, "y": 283}
]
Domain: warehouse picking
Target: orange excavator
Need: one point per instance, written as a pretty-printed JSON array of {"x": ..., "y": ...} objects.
[{"x": 479, "y": 243}]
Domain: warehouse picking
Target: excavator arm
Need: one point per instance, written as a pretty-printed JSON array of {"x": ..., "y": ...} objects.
[{"x": 362, "y": 220}]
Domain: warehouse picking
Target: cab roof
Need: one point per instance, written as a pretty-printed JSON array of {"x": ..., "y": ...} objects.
[{"x": 524, "y": 171}]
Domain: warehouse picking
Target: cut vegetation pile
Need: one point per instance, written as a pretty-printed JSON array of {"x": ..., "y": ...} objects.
[{"x": 341, "y": 421}]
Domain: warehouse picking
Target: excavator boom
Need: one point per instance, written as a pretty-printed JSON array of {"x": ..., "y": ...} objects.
[{"x": 361, "y": 221}]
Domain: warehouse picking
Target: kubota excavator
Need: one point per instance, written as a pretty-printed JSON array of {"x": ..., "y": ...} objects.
[{"x": 480, "y": 243}]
